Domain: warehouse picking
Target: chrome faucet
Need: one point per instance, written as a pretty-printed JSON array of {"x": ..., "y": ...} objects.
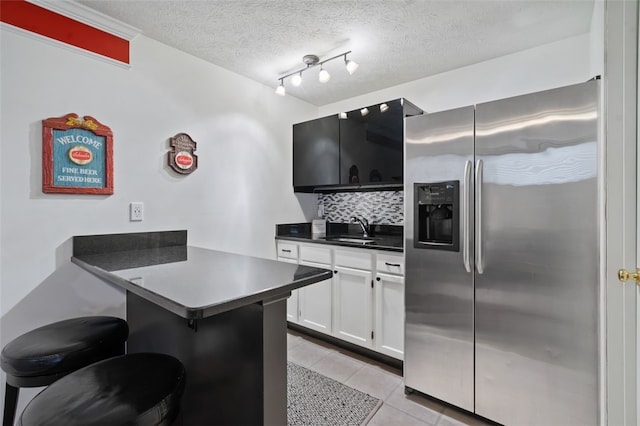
[{"x": 364, "y": 224}]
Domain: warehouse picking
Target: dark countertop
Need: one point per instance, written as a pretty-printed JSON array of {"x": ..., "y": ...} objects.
[
  {"x": 389, "y": 237},
  {"x": 193, "y": 282},
  {"x": 379, "y": 243}
]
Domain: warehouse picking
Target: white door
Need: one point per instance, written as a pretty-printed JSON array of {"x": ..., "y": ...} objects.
[
  {"x": 314, "y": 303},
  {"x": 622, "y": 301},
  {"x": 292, "y": 301},
  {"x": 389, "y": 315},
  {"x": 352, "y": 305}
]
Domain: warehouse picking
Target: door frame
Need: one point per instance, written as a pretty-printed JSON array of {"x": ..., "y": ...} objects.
[{"x": 620, "y": 209}]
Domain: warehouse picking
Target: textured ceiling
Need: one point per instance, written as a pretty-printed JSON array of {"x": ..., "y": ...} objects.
[{"x": 394, "y": 41}]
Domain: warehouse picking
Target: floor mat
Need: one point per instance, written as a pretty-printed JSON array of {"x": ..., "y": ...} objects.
[{"x": 314, "y": 399}]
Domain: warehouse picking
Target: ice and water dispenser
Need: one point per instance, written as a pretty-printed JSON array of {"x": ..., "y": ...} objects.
[{"x": 437, "y": 216}]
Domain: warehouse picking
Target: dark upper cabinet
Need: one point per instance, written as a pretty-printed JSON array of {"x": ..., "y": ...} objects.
[
  {"x": 371, "y": 145},
  {"x": 354, "y": 150},
  {"x": 316, "y": 154}
]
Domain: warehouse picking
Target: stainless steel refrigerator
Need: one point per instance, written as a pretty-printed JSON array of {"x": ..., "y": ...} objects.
[{"x": 502, "y": 252}]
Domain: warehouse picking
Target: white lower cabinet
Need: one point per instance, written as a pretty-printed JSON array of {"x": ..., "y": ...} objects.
[
  {"x": 292, "y": 306},
  {"x": 389, "y": 305},
  {"x": 288, "y": 252},
  {"x": 362, "y": 304},
  {"x": 292, "y": 301},
  {"x": 389, "y": 318},
  {"x": 315, "y": 300},
  {"x": 314, "y": 303},
  {"x": 352, "y": 305}
]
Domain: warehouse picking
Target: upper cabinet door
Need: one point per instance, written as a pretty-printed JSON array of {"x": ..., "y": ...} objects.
[
  {"x": 362, "y": 148},
  {"x": 316, "y": 153},
  {"x": 371, "y": 141}
]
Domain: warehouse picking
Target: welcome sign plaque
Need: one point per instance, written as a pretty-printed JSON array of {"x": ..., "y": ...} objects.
[{"x": 77, "y": 156}]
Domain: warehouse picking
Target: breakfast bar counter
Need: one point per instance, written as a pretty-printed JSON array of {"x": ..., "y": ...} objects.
[{"x": 223, "y": 315}]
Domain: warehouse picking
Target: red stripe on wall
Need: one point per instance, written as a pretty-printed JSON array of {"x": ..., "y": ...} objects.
[{"x": 36, "y": 19}]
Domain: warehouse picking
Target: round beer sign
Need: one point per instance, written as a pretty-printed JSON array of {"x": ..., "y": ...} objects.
[
  {"x": 184, "y": 160},
  {"x": 80, "y": 155}
]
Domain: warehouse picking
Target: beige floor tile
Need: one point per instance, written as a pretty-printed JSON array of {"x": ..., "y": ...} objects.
[
  {"x": 306, "y": 354},
  {"x": 389, "y": 416},
  {"x": 373, "y": 381},
  {"x": 384, "y": 367},
  {"x": 293, "y": 341},
  {"x": 453, "y": 417},
  {"x": 338, "y": 366},
  {"x": 417, "y": 406}
]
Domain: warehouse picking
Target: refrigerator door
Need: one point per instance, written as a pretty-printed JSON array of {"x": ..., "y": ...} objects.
[
  {"x": 439, "y": 283},
  {"x": 537, "y": 273}
]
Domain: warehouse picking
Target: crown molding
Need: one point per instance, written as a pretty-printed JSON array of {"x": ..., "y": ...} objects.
[{"x": 86, "y": 15}]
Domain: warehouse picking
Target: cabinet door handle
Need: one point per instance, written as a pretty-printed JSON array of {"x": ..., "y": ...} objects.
[
  {"x": 286, "y": 251},
  {"x": 335, "y": 272},
  {"x": 377, "y": 278},
  {"x": 392, "y": 264}
]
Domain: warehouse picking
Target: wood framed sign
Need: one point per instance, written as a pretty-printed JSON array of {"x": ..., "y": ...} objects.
[
  {"x": 181, "y": 157},
  {"x": 77, "y": 156}
]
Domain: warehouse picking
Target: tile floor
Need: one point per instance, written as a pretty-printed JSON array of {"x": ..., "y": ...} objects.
[{"x": 376, "y": 379}]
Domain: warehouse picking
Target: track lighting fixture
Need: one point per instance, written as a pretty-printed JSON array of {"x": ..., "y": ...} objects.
[
  {"x": 313, "y": 61},
  {"x": 384, "y": 107}
]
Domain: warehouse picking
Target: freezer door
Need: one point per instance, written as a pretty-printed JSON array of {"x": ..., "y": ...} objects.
[
  {"x": 537, "y": 259},
  {"x": 439, "y": 283}
]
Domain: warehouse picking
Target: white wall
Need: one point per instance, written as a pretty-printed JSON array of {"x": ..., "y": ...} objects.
[
  {"x": 241, "y": 189},
  {"x": 553, "y": 65}
]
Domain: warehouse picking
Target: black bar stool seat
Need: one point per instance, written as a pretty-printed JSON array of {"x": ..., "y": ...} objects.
[
  {"x": 140, "y": 389},
  {"x": 45, "y": 354}
]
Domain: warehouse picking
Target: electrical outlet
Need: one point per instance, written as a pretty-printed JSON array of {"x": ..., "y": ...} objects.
[{"x": 136, "y": 211}]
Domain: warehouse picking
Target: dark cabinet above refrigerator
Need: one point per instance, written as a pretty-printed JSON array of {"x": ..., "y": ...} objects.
[{"x": 357, "y": 150}]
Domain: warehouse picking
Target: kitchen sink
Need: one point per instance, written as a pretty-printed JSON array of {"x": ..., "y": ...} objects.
[{"x": 352, "y": 240}]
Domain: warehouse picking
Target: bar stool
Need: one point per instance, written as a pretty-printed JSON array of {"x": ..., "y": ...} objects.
[
  {"x": 44, "y": 355},
  {"x": 140, "y": 389}
]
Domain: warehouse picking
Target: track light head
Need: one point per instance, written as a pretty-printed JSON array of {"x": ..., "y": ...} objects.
[
  {"x": 296, "y": 80},
  {"x": 324, "y": 75},
  {"x": 280, "y": 89},
  {"x": 351, "y": 66}
]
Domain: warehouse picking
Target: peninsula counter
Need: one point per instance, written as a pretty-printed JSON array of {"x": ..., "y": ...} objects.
[{"x": 223, "y": 315}]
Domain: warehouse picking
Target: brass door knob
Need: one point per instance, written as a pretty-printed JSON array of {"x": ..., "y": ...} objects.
[{"x": 624, "y": 275}]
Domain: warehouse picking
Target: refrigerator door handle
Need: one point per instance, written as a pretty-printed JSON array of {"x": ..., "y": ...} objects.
[
  {"x": 479, "y": 260},
  {"x": 465, "y": 216}
]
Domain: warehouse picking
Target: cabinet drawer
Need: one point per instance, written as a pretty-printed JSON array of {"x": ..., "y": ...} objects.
[
  {"x": 354, "y": 259},
  {"x": 288, "y": 250},
  {"x": 315, "y": 253},
  {"x": 390, "y": 264}
]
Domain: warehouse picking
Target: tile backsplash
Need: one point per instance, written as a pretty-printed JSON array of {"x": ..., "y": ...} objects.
[{"x": 379, "y": 207}]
